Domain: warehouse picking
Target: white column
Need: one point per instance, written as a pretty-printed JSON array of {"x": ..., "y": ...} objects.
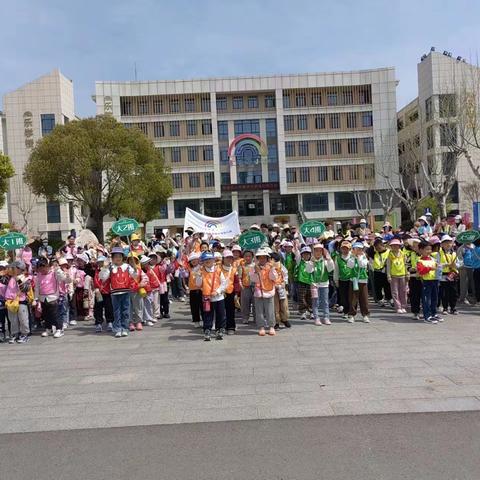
[
  {"x": 266, "y": 202},
  {"x": 235, "y": 201}
]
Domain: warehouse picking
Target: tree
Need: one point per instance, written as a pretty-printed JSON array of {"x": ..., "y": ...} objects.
[
  {"x": 363, "y": 202},
  {"x": 6, "y": 172},
  {"x": 99, "y": 164},
  {"x": 25, "y": 201},
  {"x": 387, "y": 201},
  {"x": 472, "y": 191}
]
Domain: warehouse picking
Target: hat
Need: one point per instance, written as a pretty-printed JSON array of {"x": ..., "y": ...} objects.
[
  {"x": 152, "y": 254},
  {"x": 275, "y": 225},
  {"x": 236, "y": 248},
  {"x": 358, "y": 245},
  {"x": 3, "y": 264},
  {"x": 424, "y": 218},
  {"x": 277, "y": 240},
  {"x": 189, "y": 229},
  {"x": 84, "y": 257},
  {"x": 395, "y": 241},
  {"x": 434, "y": 240},
  {"x": 286, "y": 226},
  {"x": 101, "y": 258},
  {"x": 63, "y": 261},
  {"x": 19, "y": 264},
  {"x": 254, "y": 227},
  {"x": 193, "y": 256},
  {"x": 363, "y": 220},
  {"x": 318, "y": 245},
  {"x": 144, "y": 259},
  {"x": 69, "y": 256},
  {"x": 262, "y": 252},
  {"x": 217, "y": 255},
  {"x": 346, "y": 244},
  {"x": 458, "y": 217},
  {"x": 134, "y": 236},
  {"x": 227, "y": 253},
  {"x": 429, "y": 214},
  {"x": 206, "y": 256},
  {"x": 306, "y": 250},
  {"x": 116, "y": 250},
  {"x": 288, "y": 244},
  {"x": 386, "y": 224},
  {"x": 446, "y": 238}
]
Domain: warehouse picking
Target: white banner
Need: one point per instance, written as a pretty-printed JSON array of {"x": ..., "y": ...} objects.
[{"x": 221, "y": 227}]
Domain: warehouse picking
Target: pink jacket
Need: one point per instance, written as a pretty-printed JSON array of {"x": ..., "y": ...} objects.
[{"x": 13, "y": 290}]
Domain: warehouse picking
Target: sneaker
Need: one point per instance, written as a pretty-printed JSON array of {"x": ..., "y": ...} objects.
[
  {"x": 438, "y": 318},
  {"x": 261, "y": 332},
  {"x": 230, "y": 331},
  {"x": 46, "y": 333},
  {"x": 11, "y": 340},
  {"x": 166, "y": 315},
  {"x": 400, "y": 311},
  {"x": 318, "y": 323},
  {"x": 327, "y": 321},
  {"x": 430, "y": 320},
  {"x": 277, "y": 326},
  {"x": 150, "y": 323},
  {"x": 340, "y": 309},
  {"x": 392, "y": 304},
  {"x": 303, "y": 317},
  {"x": 109, "y": 327},
  {"x": 131, "y": 327},
  {"x": 58, "y": 334},
  {"x": 345, "y": 317},
  {"x": 196, "y": 324},
  {"x": 139, "y": 326},
  {"x": 98, "y": 328},
  {"x": 350, "y": 319},
  {"x": 453, "y": 312},
  {"x": 154, "y": 320},
  {"x": 403, "y": 310},
  {"x": 118, "y": 335},
  {"x": 445, "y": 311},
  {"x": 182, "y": 299},
  {"x": 272, "y": 332},
  {"x": 416, "y": 316},
  {"x": 73, "y": 322},
  {"x": 245, "y": 322},
  {"x": 23, "y": 339},
  {"x": 220, "y": 334},
  {"x": 466, "y": 301},
  {"x": 206, "y": 335},
  {"x": 124, "y": 333},
  {"x": 65, "y": 326},
  {"x": 287, "y": 324},
  {"x": 366, "y": 319},
  {"x": 381, "y": 303}
]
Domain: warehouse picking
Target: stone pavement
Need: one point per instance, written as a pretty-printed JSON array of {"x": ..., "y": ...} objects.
[{"x": 168, "y": 375}]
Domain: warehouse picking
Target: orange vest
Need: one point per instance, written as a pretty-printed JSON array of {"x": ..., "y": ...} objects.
[
  {"x": 280, "y": 278},
  {"x": 245, "y": 274},
  {"x": 192, "y": 284},
  {"x": 266, "y": 284},
  {"x": 229, "y": 277},
  {"x": 210, "y": 281}
]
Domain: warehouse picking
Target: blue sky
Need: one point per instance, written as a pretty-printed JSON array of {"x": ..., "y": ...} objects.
[{"x": 102, "y": 39}]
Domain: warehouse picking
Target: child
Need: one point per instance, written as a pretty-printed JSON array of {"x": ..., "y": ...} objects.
[
  {"x": 147, "y": 318},
  {"x": 120, "y": 275},
  {"x": 81, "y": 293},
  {"x": 229, "y": 272},
  {"x": 103, "y": 301},
  {"x": 303, "y": 278},
  {"x": 449, "y": 279},
  {"x": 4, "y": 279},
  {"x": 397, "y": 275},
  {"x": 194, "y": 292},
  {"x": 155, "y": 285},
  {"x": 378, "y": 258},
  {"x": 161, "y": 269},
  {"x": 322, "y": 265},
  {"x": 212, "y": 282},
  {"x": 358, "y": 292},
  {"x": 246, "y": 296},
  {"x": 341, "y": 277},
  {"x": 281, "y": 298},
  {"x": 414, "y": 284},
  {"x": 137, "y": 294},
  {"x": 63, "y": 290},
  {"x": 264, "y": 278},
  {"x": 427, "y": 270}
]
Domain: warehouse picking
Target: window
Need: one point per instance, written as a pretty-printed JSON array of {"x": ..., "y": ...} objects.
[
  {"x": 225, "y": 178},
  {"x": 344, "y": 201},
  {"x": 143, "y": 126},
  {"x": 331, "y": 98},
  {"x": 321, "y": 147},
  {"x": 179, "y": 207},
  {"x": 163, "y": 212},
  {"x": 369, "y": 171},
  {"x": 365, "y": 95},
  {"x": 353, "y": 172},
  {"x": 286, "y": 100},
  {"x": 300, "y": 100},
  {"x": 367, "y": 119},
  {"x": 322, "y": 174},
  {"x": 430, "y": 139},
  {"x": 316, "y": 99},
  {"x": 194, "y": 180},
  {"x": 209, "y": 179},
  {"x": 174, "y": 129},
  {"x": 174, "y": 105},
  {"x": 177, "y": 180},
  {"x": 304, "y": 174},
  {"x": 143, "y": 107},
  {"x": 237, "y": 103},
  {"x": 65, "y": 120},
  {"x": 158, "y": 129},
  {"x": 206, "y": 127},
  {"x": 273, "y": 174},
  {"x": 189, "y": 104},
  {"x": 283, "y": 204},
  {"x": 302, "y": 123},
  {"x": 54, "y": 236},
  {"x": 222, "y": 130},
  {"x": 351, "y": 120},
  {"x": 320, "y": 121},
  {"x": 269, "y": 101},
  {"x": 368, "y": 145},
  {"x": 252, "y": 101},
  {"x": 289, "y": 149},
  {"x": 125, "y": 106},
  {"x": 192, "y": 154},
  {"x": 53, "y": 212},
  {"x": 428, "y": 109},
  {"x": 334, "y": 120},
  {"x": 352, "y": 145},
  {"x": 71, "y": 212},
  {"x": 221, "y": 103},
  {"x": 48, "y": 123},
  {"x": 249, "y": 177},
  {"x": 291, "y": 175},
  {"x": 447, "y": 105},
  {"x": 303, "y": 149},
  {"x": 157, "y": 106},
  {"x": 448, "y": 134},
  {"x": 191, "y": 127},
  {"x": 176, "y": 155},
  {"x": 335, "y": 147},
  {"x": 413, "y": 117},
  {"x": 448, "y": 163},
  {"x": 249, "y": 208},
  {"x": 347, "y": 97},
  {"x": 205, "y": 104},
  {"x": 337, "y": 173},
  {"x": 217, "y": 207},
  {"x": 223, "y": 155},
  {"x": 315, "y": 202},
  {"x": 247, "y": 126},
  {"x": 272, "y": 153},
  {"x": 271, "y": 127},
  {"x": 288, "y": 123},
  {"x": 207, "y": 153}
]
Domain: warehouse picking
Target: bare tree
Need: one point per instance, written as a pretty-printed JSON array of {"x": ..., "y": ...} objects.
[
  {"x": 25, "y": 201},
  {"x": 387, "y": 199},
  {"x": 363, "y": 202},
  {"x": 472, "y": 191}
]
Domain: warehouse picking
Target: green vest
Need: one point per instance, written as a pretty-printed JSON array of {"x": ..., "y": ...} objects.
[
  {"x": 360, "y": 273},
  {"x": 289, "y": 263},
  {"x": 344, "y": 273},
  {"x": 301, "y": 274},
  {"x": 320, "y": 272}
]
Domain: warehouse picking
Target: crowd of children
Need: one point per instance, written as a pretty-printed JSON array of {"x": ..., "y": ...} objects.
[{"x": 127, "y": 287}]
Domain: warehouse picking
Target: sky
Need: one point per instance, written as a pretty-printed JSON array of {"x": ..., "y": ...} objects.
[{"x": 183, "y": 39}]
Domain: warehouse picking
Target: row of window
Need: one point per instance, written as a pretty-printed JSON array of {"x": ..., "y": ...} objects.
[
  {"x": 331, "y": 121},
  {"x": 193, "y": 180},
  {"x": 157, "y": 106},
  {"x": 247, "y": 126},
  {"x": 328, "y": 97},
  {"x": 447, "y": 106},
  {"x": 349, "y": 146},
  {"x": 191, "y": 153},
  {"x": 54, "y": 213},
  {"x": 239, "y": 102},
  {"x": 333, "y": 173},
  {"x": 174, "y": 128}
]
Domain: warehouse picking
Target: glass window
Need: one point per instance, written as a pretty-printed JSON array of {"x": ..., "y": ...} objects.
[
  {"x": 206, "y": 127},
  {"x": 48, "y": 123},
  {"x": 224, "y": 155},
  {"x": 368, "y": 146},
  {"x": 322, "y": 173},
  {"x": 247, "y": 126},
  {"x": 157, "y": 106},
  {"x": 54, "y": 236},
  {"x": 179, "y": 207},
  {"x": 334, "y": 120},
  {"x": 272, "y": 153},
  {"x": 302, "y": 122},
  {"x": 252, "y": 101},
  {"x": 331, "y": 98},
  {"x": 291, "y": 175},
  {"x": 337, "y": 173},
  {"x": 300, "y": 100},
  {"x": 273, "y": 174},
  {"x": 125, "y": 106},
  {"x": 345, "y": 201},
  {"x": 189, "y": 104},
  {"x": 209, "y": 179},
  {"x": 288, "y": 123},
  {"x": 351, "y": 120},
  {"x": 353, "y": 171},
  {"x": 286, "y": 100},
  {"x": 304, "y": 174},
  {"x": 365, "y": 95},
  {"x": 71, "y": 212},
  {"x": 250, "y": 208},
  {"x": 192, "y": 154},
  {"x": 53, "y": 212},
  {"x": 163, "y": 212},
  {"x": 176, "y": 154},
  {"x": 303, "y": 149},
  {"x": 315, "y": 202},
  {"x": 321, "y": 147},
  {"x": 225, "y": 178},
  {"x": 222, "y": 130},
  {"x": 221, "y": 103},
  {"x": 283, "y": 204},
  {"x": 194, "y": 180},
  {"x": 177, "y": 180},
  {"x": 347, "y": 97},
  {"x": 448, "y": 134},
  {"x": 217, "y": 207},
  {"x": 175, "y": 129},
  {"x": 320, "y": 121},
  {"x": 271, "y": 127},
  {"x": 428, "y": 109},
  {"x": 316, "y": 99},
  {"x": 143, "y": 107},
  {"x": 430, "y": 138},
  {"x": 335, "y": 147},
  {"x": 269, "y": 101},
  {"x": 191, "y": 127},
  {"x": 237, "y": 103},
  {"x": 208, "y": 153},
  {"x": 447, "y": 105},
  {"x": 143, "y": 126},
  {"x": 205, "y": 104},
  {"x": 174, "y": 105},
  {"x": 352, "y": 145},
  {"x": 289, "y": 149},
  {"x": 367, "y": 119},
  {"x": 158, "y": 129},
  {"x": 369, "y": 171},
  {"x": 249, "y": 177}
]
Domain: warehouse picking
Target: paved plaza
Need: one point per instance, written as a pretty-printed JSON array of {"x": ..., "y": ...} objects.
[{"x": 167, "y": 374}]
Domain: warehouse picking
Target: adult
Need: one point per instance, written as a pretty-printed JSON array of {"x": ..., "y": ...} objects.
[{"x": 45, "y": 249}]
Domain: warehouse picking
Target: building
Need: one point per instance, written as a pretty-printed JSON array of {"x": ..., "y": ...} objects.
[
  {"x": 4, "y": 217},
  {"x": 430, "y": 121},
  {"x": 31, "y": 112},
  {"x": 269, "y": 146}
]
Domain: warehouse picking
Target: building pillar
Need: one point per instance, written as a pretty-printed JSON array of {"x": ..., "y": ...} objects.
[
  {"x": 235, "y": 201},
  {"x": 266, "y": 202},
  {"x": 170, "y": 209},
  {"x": 202, "y": 206}
]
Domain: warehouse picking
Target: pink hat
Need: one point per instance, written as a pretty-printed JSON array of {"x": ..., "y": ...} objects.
[
  {"x": 227, "y": 253},
  {"x": 434, "y": 240},
  {"x": 236, "y": 248},
  {"x": 395, "y": 241}
]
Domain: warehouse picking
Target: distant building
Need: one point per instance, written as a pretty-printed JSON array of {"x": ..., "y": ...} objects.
[{"x": 267, "y": 146}]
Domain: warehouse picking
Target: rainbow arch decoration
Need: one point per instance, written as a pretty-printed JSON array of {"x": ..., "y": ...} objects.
[{"x": 247, "y": 142}]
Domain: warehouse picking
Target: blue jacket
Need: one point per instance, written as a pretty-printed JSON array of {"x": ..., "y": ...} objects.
[{"x": 475, "y": 254}]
